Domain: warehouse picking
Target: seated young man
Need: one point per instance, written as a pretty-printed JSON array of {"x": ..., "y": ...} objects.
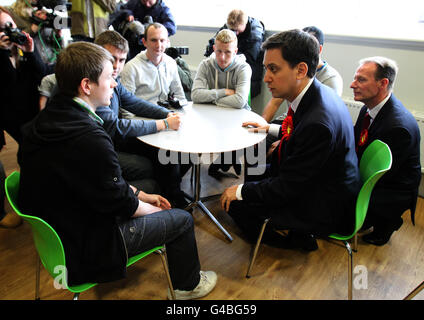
[
  {"x": 223, "y": 79},
  {"x": 70, "y": 177},
  {"x": 152, "y": 75}
]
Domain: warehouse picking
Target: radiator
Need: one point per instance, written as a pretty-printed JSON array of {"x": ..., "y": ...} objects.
[{"x": 354, "y": 107}]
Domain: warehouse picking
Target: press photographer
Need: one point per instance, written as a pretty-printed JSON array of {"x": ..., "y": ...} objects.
[
  {"x": 144, "y": 12},
  {"x": 51, "y": 19},
  {"x": 133, "y": 31},
  {"x": 22, "y": 71},
  {"x": 41, "y": 20}
]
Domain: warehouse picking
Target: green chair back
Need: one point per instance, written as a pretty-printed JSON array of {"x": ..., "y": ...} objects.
[
  {"x": 375, "y": 162},
  {"x": 47, "y": 241}
]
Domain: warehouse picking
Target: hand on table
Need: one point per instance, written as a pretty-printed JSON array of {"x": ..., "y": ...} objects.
[
  {"x": 256, "y": 127},
  {"x": 174, "y": 121}
]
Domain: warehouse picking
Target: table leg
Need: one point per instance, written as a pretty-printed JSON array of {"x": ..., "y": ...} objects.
[{"x": 197, "y": 202}]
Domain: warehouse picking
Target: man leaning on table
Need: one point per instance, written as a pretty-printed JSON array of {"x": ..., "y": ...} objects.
[
  {"x": 223, "y": 79},
  {"x": 124, "y": 132},
  {"x": 313, "y": 179}
]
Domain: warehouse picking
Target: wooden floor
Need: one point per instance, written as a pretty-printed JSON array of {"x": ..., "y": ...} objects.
[{"x": 388, "y": 272}]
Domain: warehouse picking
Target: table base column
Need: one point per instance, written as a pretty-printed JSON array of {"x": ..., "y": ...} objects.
[{"x": 197, "y": 201}]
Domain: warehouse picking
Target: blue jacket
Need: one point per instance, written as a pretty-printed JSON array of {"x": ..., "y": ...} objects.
[
  {"x": 397, "y": 190},
  {"x": 127, "y": 128},
  {"x": 159, "y": 13},
  {"x": 314, "y": 187}
]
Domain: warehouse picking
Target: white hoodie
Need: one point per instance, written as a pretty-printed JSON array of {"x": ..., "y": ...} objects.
[
  {"x": 152, "y": 83},
  {"x": 211, "y": 81}
]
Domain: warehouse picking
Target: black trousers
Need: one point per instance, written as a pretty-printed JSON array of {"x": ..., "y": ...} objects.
[
  {"x": 2, "y": 191},
  {"x": 387, "y": 206},
  {"x": 168, "y": 176}
]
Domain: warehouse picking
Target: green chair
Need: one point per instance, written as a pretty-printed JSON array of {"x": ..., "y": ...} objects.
[
  {"x": 376, "y": 160},
  {"x": 50, "y": 249}
]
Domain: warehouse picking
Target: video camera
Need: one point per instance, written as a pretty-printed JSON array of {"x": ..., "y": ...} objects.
[
  {"x": 133, "y": 31},
  {"x": 15, "y": 35},
  {"x": 175, "y": 52},
  {"x": 52, "y": 20}
]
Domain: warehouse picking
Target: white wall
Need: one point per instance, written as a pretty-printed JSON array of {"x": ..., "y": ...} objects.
[{"x": 409, "y": 87}]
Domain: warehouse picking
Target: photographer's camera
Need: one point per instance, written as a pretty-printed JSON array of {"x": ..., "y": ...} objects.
[{"x": 15, "y": 35}]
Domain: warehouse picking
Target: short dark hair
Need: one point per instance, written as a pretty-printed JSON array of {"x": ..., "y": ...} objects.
[
  {"x": 77, "y": 61},
  {"x": 316, "y": 32},
  {"x": 113, "y": 38},
  {"x": 296, "y": 46}
]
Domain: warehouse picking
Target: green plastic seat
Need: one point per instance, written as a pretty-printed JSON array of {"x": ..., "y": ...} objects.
[
  {"x": 375, "y": 162},
  {"x": 50, "y": 249}
]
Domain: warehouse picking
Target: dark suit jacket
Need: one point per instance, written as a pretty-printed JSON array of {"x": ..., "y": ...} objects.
[
  {"x": 315, "y": 185},
  {"x": 398, "y": 188}
]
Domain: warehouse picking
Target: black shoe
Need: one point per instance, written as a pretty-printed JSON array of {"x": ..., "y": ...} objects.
[
  {"x": 294, "y": 240},
  {"x": 180, "y": 202},
  {"x": 213, "y": 169},
  {"x": 225, "y": 167},
  {"x": 381, "y": 235}
]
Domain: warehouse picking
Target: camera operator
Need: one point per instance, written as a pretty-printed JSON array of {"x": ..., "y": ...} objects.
[
  {"x": 139, "y": 9},
  {"x": 138, "y": 14},
  {"x": 32, "y": 18},
  {"x": 22, "y": 71}
]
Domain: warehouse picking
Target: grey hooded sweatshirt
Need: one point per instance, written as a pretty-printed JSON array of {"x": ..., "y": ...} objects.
[{"x": 211, "y": 81}]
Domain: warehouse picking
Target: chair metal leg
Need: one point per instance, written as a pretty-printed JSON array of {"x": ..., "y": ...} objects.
[
  {"x": 355, "y": 243},
  {"x": 162, "y": 253},
  {"x": 76, "y": 296},
  {"x": 350, "y": 270},
  {"x": 415, "y": 292},
  {"x": 255, "y": 252},
  {"x": 37, "y": 277}
]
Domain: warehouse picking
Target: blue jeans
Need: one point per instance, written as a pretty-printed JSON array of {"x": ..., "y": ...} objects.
[{"x": 175, "y": 229}]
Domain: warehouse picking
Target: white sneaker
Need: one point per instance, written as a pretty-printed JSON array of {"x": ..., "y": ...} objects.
[{"x": 206, "y": 284}]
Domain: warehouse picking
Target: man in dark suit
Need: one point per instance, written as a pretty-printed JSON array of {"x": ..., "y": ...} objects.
[
  {"x": 313, "y": 179},
  {"x": 393, "y": 124}
]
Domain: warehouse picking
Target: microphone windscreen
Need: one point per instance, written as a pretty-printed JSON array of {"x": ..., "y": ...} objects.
[{"x": 136, "y": 27}]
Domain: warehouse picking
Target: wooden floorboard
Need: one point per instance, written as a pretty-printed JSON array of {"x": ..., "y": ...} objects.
[{"x": 392, "y": 271}]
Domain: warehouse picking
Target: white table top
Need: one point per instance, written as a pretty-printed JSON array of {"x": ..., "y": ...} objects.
[{"x": 207, "y": 128}]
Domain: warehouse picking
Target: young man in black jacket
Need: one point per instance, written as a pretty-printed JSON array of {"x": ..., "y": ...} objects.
[{"x": 70, "y": 177}]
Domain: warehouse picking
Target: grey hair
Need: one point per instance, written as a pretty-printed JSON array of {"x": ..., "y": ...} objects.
[{"x": 386, "y": 68}]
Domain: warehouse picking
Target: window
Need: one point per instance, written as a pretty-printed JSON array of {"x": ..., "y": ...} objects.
[{"x": 387, "y": 19}]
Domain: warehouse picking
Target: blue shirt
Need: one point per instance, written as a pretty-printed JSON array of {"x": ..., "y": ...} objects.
[{"x": 127, "y": 128}]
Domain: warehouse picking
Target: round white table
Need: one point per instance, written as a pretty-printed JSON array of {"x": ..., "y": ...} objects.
[{"x": 207, "y": 128}]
